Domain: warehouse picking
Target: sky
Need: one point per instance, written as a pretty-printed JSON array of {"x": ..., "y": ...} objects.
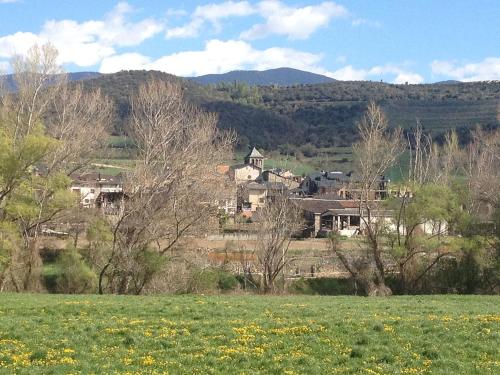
[{"x": 419, "y": 41}]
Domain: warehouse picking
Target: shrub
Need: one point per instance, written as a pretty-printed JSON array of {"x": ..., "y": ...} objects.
[
  {"x": 322, "y": 286},
  {"x": 210, "y": 280},
  {"x": 227, "y": 281},
  {"x": 74, "y": 275}
]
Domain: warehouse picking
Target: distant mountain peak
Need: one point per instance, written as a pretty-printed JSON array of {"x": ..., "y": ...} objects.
[
  {"x": 10, "y": 84},
  {"x": 277, "y": 76}
]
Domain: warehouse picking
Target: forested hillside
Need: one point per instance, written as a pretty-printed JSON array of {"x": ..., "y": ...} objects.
[{"x": 322, "y": 115}]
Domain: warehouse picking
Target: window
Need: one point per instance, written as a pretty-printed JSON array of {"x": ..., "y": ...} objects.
[{"x": 92, "y": 190}]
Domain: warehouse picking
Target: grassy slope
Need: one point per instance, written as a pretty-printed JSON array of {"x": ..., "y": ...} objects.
[
  {"x": 331, "y": 159},
  {"x": 328, "y": 159},
  {"x": 249, "y": 334}
]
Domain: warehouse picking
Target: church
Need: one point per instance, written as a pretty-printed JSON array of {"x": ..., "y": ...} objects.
[{"x": 250, "y": 170}]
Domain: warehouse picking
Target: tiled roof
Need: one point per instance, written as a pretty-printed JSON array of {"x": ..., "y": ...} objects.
[
  {"x": 98, "y": 178},
  {"x": 266, "y": 186},
  {"x": 316, "y": 206}
]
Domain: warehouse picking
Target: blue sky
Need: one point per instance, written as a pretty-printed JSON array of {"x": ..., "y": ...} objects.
[{"x": 395, "y": 41}]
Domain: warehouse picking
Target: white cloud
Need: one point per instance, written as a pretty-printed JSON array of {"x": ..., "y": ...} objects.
[
  {"x": 365, "y": 22},
  {"x": 212, "y": 13},
  {"x": 486, "y": 70},
  {"x": 8, "y": 1},
  {"x": 224, "y": 56},
  {"x": 126, "y": 61},
  {"x": 18, "y": 43},
  {"x": 217, "y": 57},
  {"x": 190, "y": 30},
  {"x": 399, "y": 74},
  {"x": 295, "y": 23},
  {"x": 85, "y": 43},
  {"x": 348, "y": 73},
  {"x": 408, "y": 77}
]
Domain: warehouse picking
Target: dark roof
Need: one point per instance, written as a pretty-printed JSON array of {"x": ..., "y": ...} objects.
[
  {"x": 347, "y": 203},
  {"x": 341, "y": 211},
  {"x": 98, "y": 178},
  {"x": 265, "y": 175},
  {"x": 254, "y": 154},
  {"x": 328, "y": 179},
  {"x": 329, "y": 196},
  {"x": 321, "y": 206},
  {"x": 352, "y": 208},
  {"x": 341, "y": 177},
  {"x": 267, "y": 186},
  {"x": 316, "y": 206}
]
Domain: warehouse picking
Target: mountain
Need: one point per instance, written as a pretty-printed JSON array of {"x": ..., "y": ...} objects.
[
  {"x": 307, "y": 117},
  {"x": 80, "y": 76},
  {"x": 320, "y": 115},
  {"x": 10, "y": 85},
  {"x": 448, "y": 82},
  {"x": 280, "y": 76}
]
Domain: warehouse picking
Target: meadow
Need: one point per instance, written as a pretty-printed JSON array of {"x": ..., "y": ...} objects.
[{"x": 196, "y": 334}]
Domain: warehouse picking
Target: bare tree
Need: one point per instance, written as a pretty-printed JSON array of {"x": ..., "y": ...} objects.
[
  {"x": 173, "y": 190},
  {"x": 445, "y": 161},
  {"x": 49, "y": 130},
  {"x": 482, "y": 170},
  {"x": 376, "y": 152},
  {"x": 278, "y": 220},
  {"x": 429, "y": 205},
  {"x": 420, "y": 147}
]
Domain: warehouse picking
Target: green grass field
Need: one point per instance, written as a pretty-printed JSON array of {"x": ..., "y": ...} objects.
[{"x": 51, "y": 334}]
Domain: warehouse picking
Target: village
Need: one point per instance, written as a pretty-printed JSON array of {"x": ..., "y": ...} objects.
[
  {"x": 249, "y": 187},
  {"x": 329, "y": 201}
]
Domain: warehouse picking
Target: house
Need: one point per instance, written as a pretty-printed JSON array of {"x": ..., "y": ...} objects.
[
  {"x": 253, "y": 196},
  {"x": 96, "y": 190},
  {"x": 275, "y": 175},
  {"x": 313, "y": 209},
  {"x": 345, "y": 185},
  {"x": 339, "y": 215},
  {"x": 325, "y": 182}
]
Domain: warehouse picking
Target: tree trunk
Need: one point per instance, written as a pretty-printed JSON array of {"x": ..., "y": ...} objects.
[
  {"x": 377, "y": 290},
  {"x": 32, "y": 277}
]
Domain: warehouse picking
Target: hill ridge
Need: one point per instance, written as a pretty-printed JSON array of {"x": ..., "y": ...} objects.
[{"x": 279, "y": 76}]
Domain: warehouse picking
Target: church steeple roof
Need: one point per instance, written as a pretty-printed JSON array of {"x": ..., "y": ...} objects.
[{"x": 254, "y": 154}]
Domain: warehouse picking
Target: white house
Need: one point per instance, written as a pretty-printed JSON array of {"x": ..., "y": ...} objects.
[{"x": 99, "y": 191}]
